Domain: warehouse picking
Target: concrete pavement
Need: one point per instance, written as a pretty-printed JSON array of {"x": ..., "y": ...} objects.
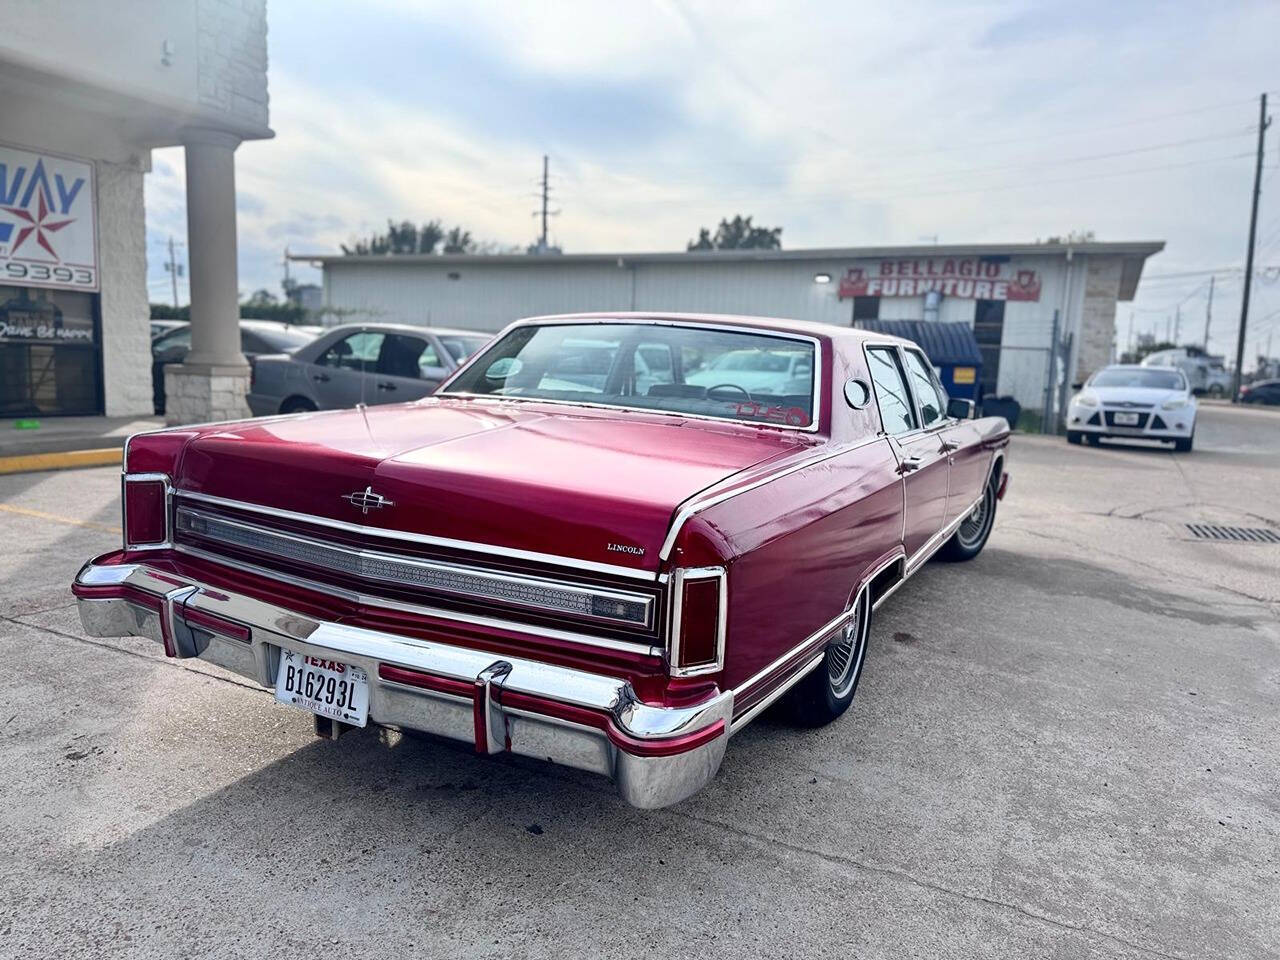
[{"x": 1066, "y": 748}]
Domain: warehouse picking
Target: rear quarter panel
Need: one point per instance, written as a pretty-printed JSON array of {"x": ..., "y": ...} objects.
[{"x": 797, "y": 548}]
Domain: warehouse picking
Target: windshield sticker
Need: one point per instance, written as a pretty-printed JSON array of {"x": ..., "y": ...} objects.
[{"x": 791, "y": 416}]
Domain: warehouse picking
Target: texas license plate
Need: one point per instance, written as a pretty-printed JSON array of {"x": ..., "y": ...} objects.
[
  {"x": 1126, "y": 419},
  {"x": 327, "y": 687}
]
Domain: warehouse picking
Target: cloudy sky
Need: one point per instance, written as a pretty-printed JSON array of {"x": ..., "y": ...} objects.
[{"x": 844, "y": 123}]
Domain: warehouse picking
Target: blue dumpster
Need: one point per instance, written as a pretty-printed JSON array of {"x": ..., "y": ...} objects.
[{"x": 950, "y": 347}]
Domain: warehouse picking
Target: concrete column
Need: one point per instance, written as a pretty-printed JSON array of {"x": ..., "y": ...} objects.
[{"x": 212, "y": 382}]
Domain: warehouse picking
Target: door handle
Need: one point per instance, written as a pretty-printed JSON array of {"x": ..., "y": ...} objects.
[
  {"x": 386, "y": 386},
  {"x": 909, "y": 464},
  {"x": 320, "y": 377},
  {"x": 948, "y": 447}
]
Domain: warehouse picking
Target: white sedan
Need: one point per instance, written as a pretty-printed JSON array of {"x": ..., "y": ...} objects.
[{"x": 1145, "y": 403}]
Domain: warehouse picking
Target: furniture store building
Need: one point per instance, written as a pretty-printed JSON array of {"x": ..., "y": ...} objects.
[{"x": 1013, "y": 296}]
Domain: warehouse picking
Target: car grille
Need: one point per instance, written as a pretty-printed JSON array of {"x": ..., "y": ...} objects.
[
  {"x": 603, "y": 605},
  {"x": 1142, "y": 420}
]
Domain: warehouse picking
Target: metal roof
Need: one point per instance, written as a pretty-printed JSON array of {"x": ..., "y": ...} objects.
[
  {"x": 1142, "y": 248},
  {"x": 1133, "y": 254}
]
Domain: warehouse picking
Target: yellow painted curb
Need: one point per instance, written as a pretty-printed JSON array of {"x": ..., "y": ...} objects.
[{"x": 60, "y": 461}]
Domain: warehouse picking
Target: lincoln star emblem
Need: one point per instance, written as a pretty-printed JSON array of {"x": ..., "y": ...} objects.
[{"x": 367, "y": 500}]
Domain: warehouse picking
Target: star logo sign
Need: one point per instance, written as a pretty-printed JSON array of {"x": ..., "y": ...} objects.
[{"x": 40, "y": 225}]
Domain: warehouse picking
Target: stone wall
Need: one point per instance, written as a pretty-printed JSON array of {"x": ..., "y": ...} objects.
[
  {"x": 122, "y": 255},
  {"x": 231, "y": 59},
  {"x": 203, "y": 395},
  {"x": 1098, "y": 315}
]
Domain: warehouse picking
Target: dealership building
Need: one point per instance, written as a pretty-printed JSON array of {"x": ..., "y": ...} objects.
[
  {"x": 1013, "y": 296},
  {"x": 87, "y": 90}
]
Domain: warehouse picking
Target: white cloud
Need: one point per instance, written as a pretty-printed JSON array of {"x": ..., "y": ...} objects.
[{"x": 846, "y": 124}]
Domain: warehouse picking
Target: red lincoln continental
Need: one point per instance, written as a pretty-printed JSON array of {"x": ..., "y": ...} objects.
[{"x": 608, "y": 541}]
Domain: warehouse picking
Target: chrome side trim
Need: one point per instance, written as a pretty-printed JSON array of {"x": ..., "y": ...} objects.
[
  {"x": 420, "y": 538},
  {"x": 677, "y": 611},
  {"x": 399, "y": 570},
  {"x": 551, "y": 633},
  {"x": 776, "y": 694},
  {"x": 934, "y": 543},
  {"x": 824, "y": 630},
  {"x": 705, "y": 500},
  {"x": 126, "y": 478}
]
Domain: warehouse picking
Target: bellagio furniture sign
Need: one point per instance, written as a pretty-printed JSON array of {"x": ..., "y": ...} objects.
[
  {"x": 48, "y": 221},
  {"x": 970, "y": 278}
]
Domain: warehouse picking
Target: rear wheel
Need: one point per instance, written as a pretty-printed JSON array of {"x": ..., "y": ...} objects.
[
  {"x": 828, "y": 689},
  {"x": 297, "y": 405},
  {"x": 971, "y": 536}
]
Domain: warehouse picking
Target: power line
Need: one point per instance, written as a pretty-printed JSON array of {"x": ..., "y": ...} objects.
[
  {"x": 1037, "y": 162},
  {"x": 825, "y": 196}
]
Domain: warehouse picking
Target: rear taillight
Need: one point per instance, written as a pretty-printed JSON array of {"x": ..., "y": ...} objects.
[
  {"x": 146, "y": 522},
  {"x": 698, "y": 621}
]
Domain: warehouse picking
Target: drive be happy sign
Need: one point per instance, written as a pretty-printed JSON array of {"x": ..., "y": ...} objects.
[{"x": 48, "y": 221}]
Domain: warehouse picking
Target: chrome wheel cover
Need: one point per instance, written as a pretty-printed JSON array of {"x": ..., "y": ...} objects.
[
  {"x": 973, "y": 528},
  {"x": 845, "y": 652}
]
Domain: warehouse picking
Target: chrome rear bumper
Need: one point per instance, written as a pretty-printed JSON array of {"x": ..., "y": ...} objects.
[{"x": 657, "y": 755}]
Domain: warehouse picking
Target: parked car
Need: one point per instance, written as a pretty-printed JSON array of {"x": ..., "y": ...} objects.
[
  {"x": 256, "y": 337},
  {"x": 360, "y": 363},
  {"x": 1261, "y": 391},
  {"x": 1134, "y": 402},
  {"x": 159, "y": 327},
  {"x": 612, "y": 579},
  {"x": 1206, "y": 374}
]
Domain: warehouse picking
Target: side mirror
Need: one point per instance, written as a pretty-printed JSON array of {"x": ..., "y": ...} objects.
[
  {"x": 960, "y": 408},
  {"x": 1077, "y": 386}
]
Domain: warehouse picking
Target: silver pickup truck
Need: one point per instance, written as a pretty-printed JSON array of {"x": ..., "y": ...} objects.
[{"x": 360, "y": 363}]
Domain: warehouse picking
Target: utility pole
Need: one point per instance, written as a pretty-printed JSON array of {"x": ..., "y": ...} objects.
[
  {"x": 174, "y": 269},
  {"x": 1129, "y": 340},
  {"x": 1263, "y": 122},
  {"x": 1177, "y": 324},
  {"x": 1208, "y": 314},
  {"x": 546, "y": 189}
]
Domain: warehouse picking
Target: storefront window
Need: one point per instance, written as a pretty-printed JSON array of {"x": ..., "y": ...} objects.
[{"x": 49, "y": 353}]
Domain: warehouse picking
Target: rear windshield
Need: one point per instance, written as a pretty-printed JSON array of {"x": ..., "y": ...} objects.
[
  {"x": 1148, "y": 377},
  {"x": 759, "y": 378}
]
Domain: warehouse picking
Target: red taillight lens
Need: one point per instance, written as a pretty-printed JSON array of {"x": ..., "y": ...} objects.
[
  {"x": 144, "y": 512},
  {"x": 699, "y": 636}
]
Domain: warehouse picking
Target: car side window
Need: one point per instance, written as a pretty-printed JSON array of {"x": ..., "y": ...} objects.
[
  {"x": 399, "y": 356},
  {"x": 891, "y": 390},
  {"x": 932, "y": 403},
  {"x": 359, "y": 352},
  {"x": 429, "y": 359},
  {"x": 250, "y": 342}
]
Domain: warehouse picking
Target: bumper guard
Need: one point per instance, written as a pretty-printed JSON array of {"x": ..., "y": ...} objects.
[{"x": 657, "y": 755}]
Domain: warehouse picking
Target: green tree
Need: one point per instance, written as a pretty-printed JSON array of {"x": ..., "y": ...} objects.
[
  {"x": 738, "y": 234},
  {"x": 458, "y": 240},
  {"x": 400, "y": 238}
]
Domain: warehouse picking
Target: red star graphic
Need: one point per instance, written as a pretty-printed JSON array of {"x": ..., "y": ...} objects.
[{"x": 39, "y": 226}]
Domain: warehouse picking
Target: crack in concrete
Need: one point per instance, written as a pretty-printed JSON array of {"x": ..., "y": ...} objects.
[
  {"x": 904, "y": 876},
  {"x": 894, "y": 873}
]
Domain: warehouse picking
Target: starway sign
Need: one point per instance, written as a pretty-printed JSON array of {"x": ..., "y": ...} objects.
[
  {"x": 48, "y": 221},
  {"x": 969, "y": 278}
]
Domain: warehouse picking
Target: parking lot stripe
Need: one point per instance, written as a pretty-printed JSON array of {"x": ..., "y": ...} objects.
[
  {"x": 41, "y": 515},
  {"x": 71, "y": 459}
]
